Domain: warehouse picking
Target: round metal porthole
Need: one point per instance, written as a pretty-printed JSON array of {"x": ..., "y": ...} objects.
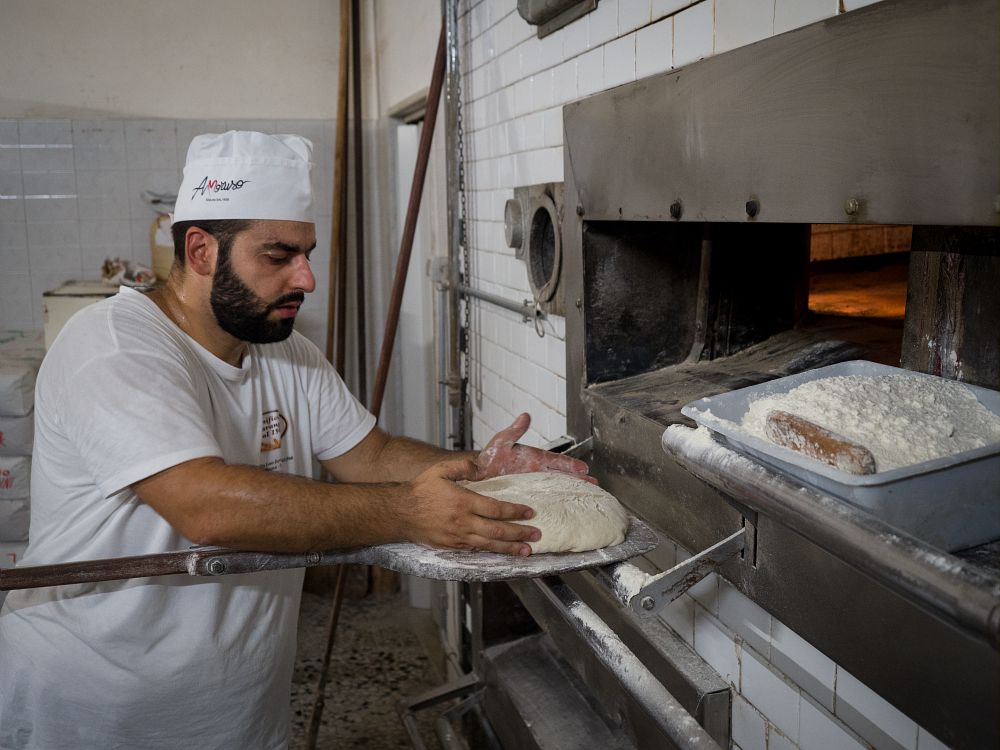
[
  {"x": 544, "y": 248},
  {"x": 512, "y": 223}
]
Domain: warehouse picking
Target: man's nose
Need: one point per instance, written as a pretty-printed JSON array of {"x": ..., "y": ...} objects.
[{"x": 303, "y": 277}]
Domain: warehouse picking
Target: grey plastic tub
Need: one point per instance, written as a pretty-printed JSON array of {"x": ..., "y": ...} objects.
[{"x": 951, "y": 503}]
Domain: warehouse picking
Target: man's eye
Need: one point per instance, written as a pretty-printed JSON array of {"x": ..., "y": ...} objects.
[{"x": 277, "y": 259}]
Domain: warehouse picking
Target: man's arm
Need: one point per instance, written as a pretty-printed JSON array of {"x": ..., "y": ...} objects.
[
  {"x": 394, "y": 489},
  {"x": 214, "y": 503}
]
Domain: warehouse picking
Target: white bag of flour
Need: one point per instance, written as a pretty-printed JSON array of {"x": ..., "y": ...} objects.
[
  {"x": 14, "y": 517},
  {"x": 15, "y": 477},
  {"x": 17, "y": 387},
  {"x": 16, "y": 435}
]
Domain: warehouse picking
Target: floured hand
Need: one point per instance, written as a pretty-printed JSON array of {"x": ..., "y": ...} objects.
[{"x": 503, "y": 455}]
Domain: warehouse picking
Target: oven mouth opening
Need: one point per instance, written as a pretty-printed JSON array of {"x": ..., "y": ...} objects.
[{"x": 859, "y": 271}]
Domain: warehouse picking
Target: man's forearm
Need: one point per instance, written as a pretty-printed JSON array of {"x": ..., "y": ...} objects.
[
  {"x": 214, "y": 503},
  {"x": 245, "y": 507},
  {"x": 381, "y": 457}
]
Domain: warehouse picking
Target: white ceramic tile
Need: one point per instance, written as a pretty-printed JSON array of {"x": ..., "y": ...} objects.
[
  {"x": 13, "y": 236},
  {"x": 522, "y": 97},
  {"x": 57, "y": 259},
  {"x": 39, "y": 132},
  {"x": 590, "y": 72},
  {"x": 564, "y": 82},
  {"x": 654, "y": 49},
  {"x": 151, "y": 144},
  {"x": 13, "y": 248},
  {"x": 530, "y": 53},
  {"x": 8, "y": 133},
  {"x": 10, "y": 158},
  {"x": 602, "y": 23},
  {"x": 45, "y": 208},
  {"x": 11, "y": 197},
  {"x": 632, "y": 14},
  {"x": 792, "y": 14},
  {"x": 803, "y": 664},
  {"x": 54, "y": 158},
  {"x": 661, "y": 8},
  {"x": 770, "y": 694},
  {"x": 575, "y": 37},
  {"x": 818, "y": 730},
  {"x": 716, "y": 647},
  {"x": 99, "y": 144},
  {"x": 552, "y": 125},
  {"x": 778, "y": 741},
  {"x": 619, "y": 61},
  {"x": 693, "y": 34},
  {"x": 741, "y": 615},
  {"x": 16, "y": 301},
  {"x": 749, "y": 728},
  {"x": 551, "y": 53},
  {"x": 927, "y": 741},
  {"x": 49, "y": 184},
  {"x": 42, "y": 236},
  {"x": 741, "y": 22},
  {"x": 542, "y": 91},
  {"x": 870, "y": 715},
  {"x": 534, "y": 130}
]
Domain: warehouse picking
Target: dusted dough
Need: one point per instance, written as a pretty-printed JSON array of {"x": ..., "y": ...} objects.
[{"x": 572, "y": 514}]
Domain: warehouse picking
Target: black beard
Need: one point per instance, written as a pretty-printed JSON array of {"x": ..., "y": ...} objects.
[{"x": 244, "y": 315}]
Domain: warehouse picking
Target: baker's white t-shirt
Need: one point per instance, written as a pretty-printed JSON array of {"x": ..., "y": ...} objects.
[{"x": 171, "y": 661}]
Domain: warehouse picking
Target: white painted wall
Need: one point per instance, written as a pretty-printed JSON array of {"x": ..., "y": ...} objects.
[
  {"x": 224, "y": 59},
  {"x": 406, "y": 34}
]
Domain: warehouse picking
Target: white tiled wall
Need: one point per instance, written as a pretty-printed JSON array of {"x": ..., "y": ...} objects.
[
  {"x": 787, "y": 693},
  {"x": 70, "y": 197}
]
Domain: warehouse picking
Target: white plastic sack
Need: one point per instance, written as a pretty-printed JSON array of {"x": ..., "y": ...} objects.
[
  {"x": 17, "y": 386},
  {"x": 16, "y": 435},
  {"x": 10, "y": 553},
  {"x": 14, "y": 517},
  {"x": 15, "y": 477}
]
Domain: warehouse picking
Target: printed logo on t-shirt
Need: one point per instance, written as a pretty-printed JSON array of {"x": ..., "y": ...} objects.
[{"x": 274, "y": 428}]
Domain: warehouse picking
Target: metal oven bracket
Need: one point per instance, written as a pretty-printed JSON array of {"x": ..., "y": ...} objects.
[
  {"x": 654, "y": 592},
  {"x": 470, "y": 688}
]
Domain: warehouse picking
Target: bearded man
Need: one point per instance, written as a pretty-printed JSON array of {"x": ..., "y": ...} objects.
[{"x": 192, "y": 415}]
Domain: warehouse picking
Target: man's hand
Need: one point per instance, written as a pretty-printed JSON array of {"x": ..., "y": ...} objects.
[
  {"x": 443, "y": 514},
  {"x": 502, "y": 455}
]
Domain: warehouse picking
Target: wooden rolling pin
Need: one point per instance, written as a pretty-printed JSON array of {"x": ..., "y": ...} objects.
[{"x": 817, "y": 442}]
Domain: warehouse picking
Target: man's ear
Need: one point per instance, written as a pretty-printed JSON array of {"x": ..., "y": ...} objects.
[{"x": 200, "y": 249}]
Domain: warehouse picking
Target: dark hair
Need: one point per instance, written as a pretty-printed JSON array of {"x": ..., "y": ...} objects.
[{"x": 224, "y": 231}]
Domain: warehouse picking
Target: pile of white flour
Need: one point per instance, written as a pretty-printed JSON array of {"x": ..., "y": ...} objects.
[{"x": 901, "y": 419}]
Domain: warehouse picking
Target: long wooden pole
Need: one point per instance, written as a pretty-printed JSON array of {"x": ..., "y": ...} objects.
[
  {"x": 359, "y": 202},
  {"x": 337, "y": 286},
  {"x": 337, "y": 245}
]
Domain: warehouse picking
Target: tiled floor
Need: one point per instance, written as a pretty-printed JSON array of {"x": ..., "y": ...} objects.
[{"x": 383, "y": 652}]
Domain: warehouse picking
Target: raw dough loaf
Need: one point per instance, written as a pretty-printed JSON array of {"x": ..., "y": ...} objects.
[{"x": 572, "y": 514}]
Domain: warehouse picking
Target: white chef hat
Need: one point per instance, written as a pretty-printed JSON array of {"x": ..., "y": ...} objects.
[{"x": 246, "y": 175}]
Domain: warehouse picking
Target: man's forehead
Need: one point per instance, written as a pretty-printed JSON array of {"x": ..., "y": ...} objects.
[{"x": 268, "y": 231}]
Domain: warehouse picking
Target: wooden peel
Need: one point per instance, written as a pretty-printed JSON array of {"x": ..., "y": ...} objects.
[{"x": 803, "y": 436}]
